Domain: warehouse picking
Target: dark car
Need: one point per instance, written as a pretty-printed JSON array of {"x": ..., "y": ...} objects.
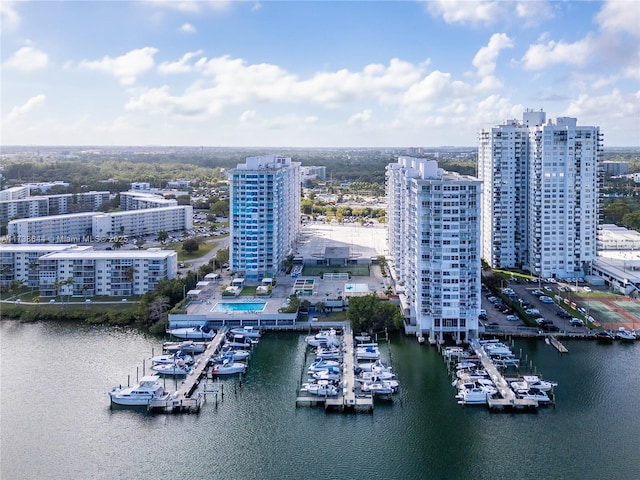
[
  {"x": 563, "y": 314},
  {"x": 550, "y": 327}
]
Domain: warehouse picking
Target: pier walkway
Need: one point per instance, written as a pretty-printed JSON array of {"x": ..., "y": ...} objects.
[
  {"x": 348, "y": 399},
  {"x": 182, "y": 400},
  {"x": 557, "y": 344},
  {"x": 508, "y": 398}
]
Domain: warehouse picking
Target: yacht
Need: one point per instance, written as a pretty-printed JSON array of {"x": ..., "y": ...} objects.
[
  {"x": 329, "y": 353},
  {"x": 201, "y": 332},
  {"x": 228, "y": 367},
  {"x": 172, "y": 358},
  {"x": 380, "y": 387},
  {"x": 234, "y": 354},
  {"x": 625, "y": 335},
  {"x": 534, "y": 394},
  {"x": 321, "y": 388},
  {"x": 187, "y": 346},
  {"x": 534, "y": 381},
  {"x": 331, "y": 374},
  {"x": 324, "y": 338},
  {"x": 148, "y": 390},
  {"x": 475, "y": 395},
  {"x": 250, "y": 332},
  {"x": 176, "y": 368},
  {"x": 604, "y": 337},
  {"x": 240, "y": 341},
  {"x": 367, "y": 353},
  {"x": 322, "y": 365}
]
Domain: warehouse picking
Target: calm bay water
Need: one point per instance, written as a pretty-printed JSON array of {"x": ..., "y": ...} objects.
[{"x": 56, "y": 422}]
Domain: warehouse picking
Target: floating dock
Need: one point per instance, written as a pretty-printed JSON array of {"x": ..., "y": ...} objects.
[
  {"x": 350, "y": 398},
  {"x": 183, "y": 401},
  {"x": 557, "y": 344},
  {"x": 508, "y": 399}
]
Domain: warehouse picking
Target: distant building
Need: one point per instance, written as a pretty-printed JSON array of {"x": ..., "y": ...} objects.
[
  {"x": 264, "y": 214},
  {"x": 106, "y": 273},
  {"x": 136, "y": 200},
  {"x": 434, "y": 243},
  {"x": 540, "y": 200},
  {"x": 616, "y": 168},
  {"x": 45, "y": 205},
  {"x": 312, "y": 173},
  {"x": 179, "y": 184},
  {"x": 20, "y": 262},
  {"x": 14, "y": 193}
]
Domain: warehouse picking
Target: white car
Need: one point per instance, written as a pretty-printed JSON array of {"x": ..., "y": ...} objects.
[
  {"x": 587, "y": 289},
  {"x": 512, "y": 318}
]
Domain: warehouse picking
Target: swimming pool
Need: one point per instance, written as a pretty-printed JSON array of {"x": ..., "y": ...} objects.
[{"x": 232, "y": 307}]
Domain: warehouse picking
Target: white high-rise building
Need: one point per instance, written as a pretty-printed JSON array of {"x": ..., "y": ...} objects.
[
  {"x": 434, "y": 240},
  {"x": 540, "y": 200},
  {"x": 264, "y": 214}
]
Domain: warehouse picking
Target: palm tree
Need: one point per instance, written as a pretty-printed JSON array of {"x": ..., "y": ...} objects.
[{"x": 162, "y": 236}]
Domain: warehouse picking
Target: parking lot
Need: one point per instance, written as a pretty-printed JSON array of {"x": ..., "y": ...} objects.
[{"x": 538, "y": 299}]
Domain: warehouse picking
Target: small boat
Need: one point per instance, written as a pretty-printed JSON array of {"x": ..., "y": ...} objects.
[
  {"x": 240, "y": 341},
  {"x": 176, "y": 368},
  {"x": 324, "y": 338},
  {"x": 233, "y": 353},
  {"x": 497, "y": 348},
  {"x": 201, "y": 332},
  {"x": 330, "y": 353},
  {"x": 148, "y": 390},
  {"x": 173, "y": 358},
  {"x": 534, "y": 394},
  {"x": 370, "y": 376},
  {"x": 321, "y": 388},
  {"x": 362, "y": 337},
  {"x": 377, "y": 366},
  {"x": 188, "y": 346},
  {"x": 534, "y": 381},
  {"x": 331, "y": 374},
  {"x": 322, "y": 364},
  {"x": 625, "y": 335},
  {"x": 381, "y": 387},
  {"x": 367, "y": 353},
  {"x": 465, "y": 365},
  {"x": 229, "y": 367},
  {"x": 246, "y": 331},
  {"x": 475, "y": 395},
  {"x": 604, "y": 337}
]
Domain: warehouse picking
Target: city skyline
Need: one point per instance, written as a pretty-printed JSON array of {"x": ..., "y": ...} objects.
[{"x": 312, "y": 74}]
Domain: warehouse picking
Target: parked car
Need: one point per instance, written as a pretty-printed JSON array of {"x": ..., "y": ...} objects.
[
  {"x": 537, "y": 293},
  {"x": 576, "y": 322},
  {"x": 512, "y": 318},
  {"x": 564, "y": 314},
  {"x": 550, "y": 327},
  {"x": 545, "y": 299}
]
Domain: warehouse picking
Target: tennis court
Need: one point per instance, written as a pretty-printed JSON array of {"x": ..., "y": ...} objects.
[{"x": 613, "y": 312}]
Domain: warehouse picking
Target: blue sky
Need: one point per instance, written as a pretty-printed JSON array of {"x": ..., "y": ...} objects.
[{"x": 312, "y": 74}]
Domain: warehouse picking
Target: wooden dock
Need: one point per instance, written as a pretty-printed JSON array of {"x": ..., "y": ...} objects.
[
  {"x": 349, "y": 398},
  {"x": 508, "y": 399},
  {"x": 557, "y": 344},
  {"x": 182, "y": 400}
]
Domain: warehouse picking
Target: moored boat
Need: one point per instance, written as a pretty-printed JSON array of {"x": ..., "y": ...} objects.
[
  {"x": 604, "y": 337},
  {"x": 625, "y": 335},
  {"x": 324, "y": 338},
  {"x": 228, "y": 367},
  {"x": 172, "y": 358},
  {"x": 250, "y": 332},
  {"x": 321, "y": 388},
  {"x": 201, "y": 332},
  {"x": 176, "y": 368},
  {"x": 148, "y": 390},
  {"x": 187, "y": 346}
]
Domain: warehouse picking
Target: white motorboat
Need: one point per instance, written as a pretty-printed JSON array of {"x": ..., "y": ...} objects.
[
  {"x": 176, "y": 368},
  {"x": 240, "y": 341},
  {"x": 370, "y": 376},
  {"x": 377, "y": 366},
  {"x": 625, "y": 335},
  {"x": 362, "y": 337},
  {"x": 534, "y": 394},
  {"x": 534, "y": 381},
  {"x": 148, "y": 390},
  {"x": 201, "y": 332},
  {"x": 229, "y": 367},
  {"x": 324, "y": 338},
  {"x": 321, "y": 388},
  {"x": 465, "y": 365},
  {"x": 322, "y": 364},
  {"x": 367, "y": 353},
  {"x": 331, "y": 374},
  {"x": 330, "y": 353},
  {"x": 475, "y": 395},
  {"x": 172, "y": 358},
  {"x": 233, "y": 353},
  {"x": 188, "y": 346},
  {"x": 497, "y": 348},
  {"x": 250, "y": 332},
  {"x": 381, "y": 387}
]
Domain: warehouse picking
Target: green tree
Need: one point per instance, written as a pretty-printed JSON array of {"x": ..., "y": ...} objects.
[
  {"x": 163, "y": 236},
  {"x": 190, "y": 245},
  {"x": 220, "y": 208},
  {"x": 371, "y": 314},
  {"x": 139, "y": 243},
  {"x": 615, "y": 212},
  {"x": 222, "y": 256}
]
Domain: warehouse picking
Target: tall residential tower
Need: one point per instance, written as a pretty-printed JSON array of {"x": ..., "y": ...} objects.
[
  {"x": 264, "y": 214},
  {"x": 540, "y": 200},
  {"x": 434, "y": 240}
]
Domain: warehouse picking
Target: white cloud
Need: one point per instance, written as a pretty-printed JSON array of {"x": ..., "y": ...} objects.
[
  {"x": 248, "y": 116},
  {"x": 28, "y": 59},
  {"x": 540, "y": 56},
  {"x": 485, "y": 59},
  {"x": 612, "y": 105},
  {"x": 188, "y": 28},
  {"x": 9, "y": 16},
  {"x": 361, "y": 118},
  {"x": 256, "y": 6},
  {"x": 190, "y": 6},
  {"x": 180, "y": 66},
  {"x": 620, "y": 16},
  {"x": 26, "y": 107},
  {"x": 466, "y": 12},
  {"x": 125, "y": 67}
]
